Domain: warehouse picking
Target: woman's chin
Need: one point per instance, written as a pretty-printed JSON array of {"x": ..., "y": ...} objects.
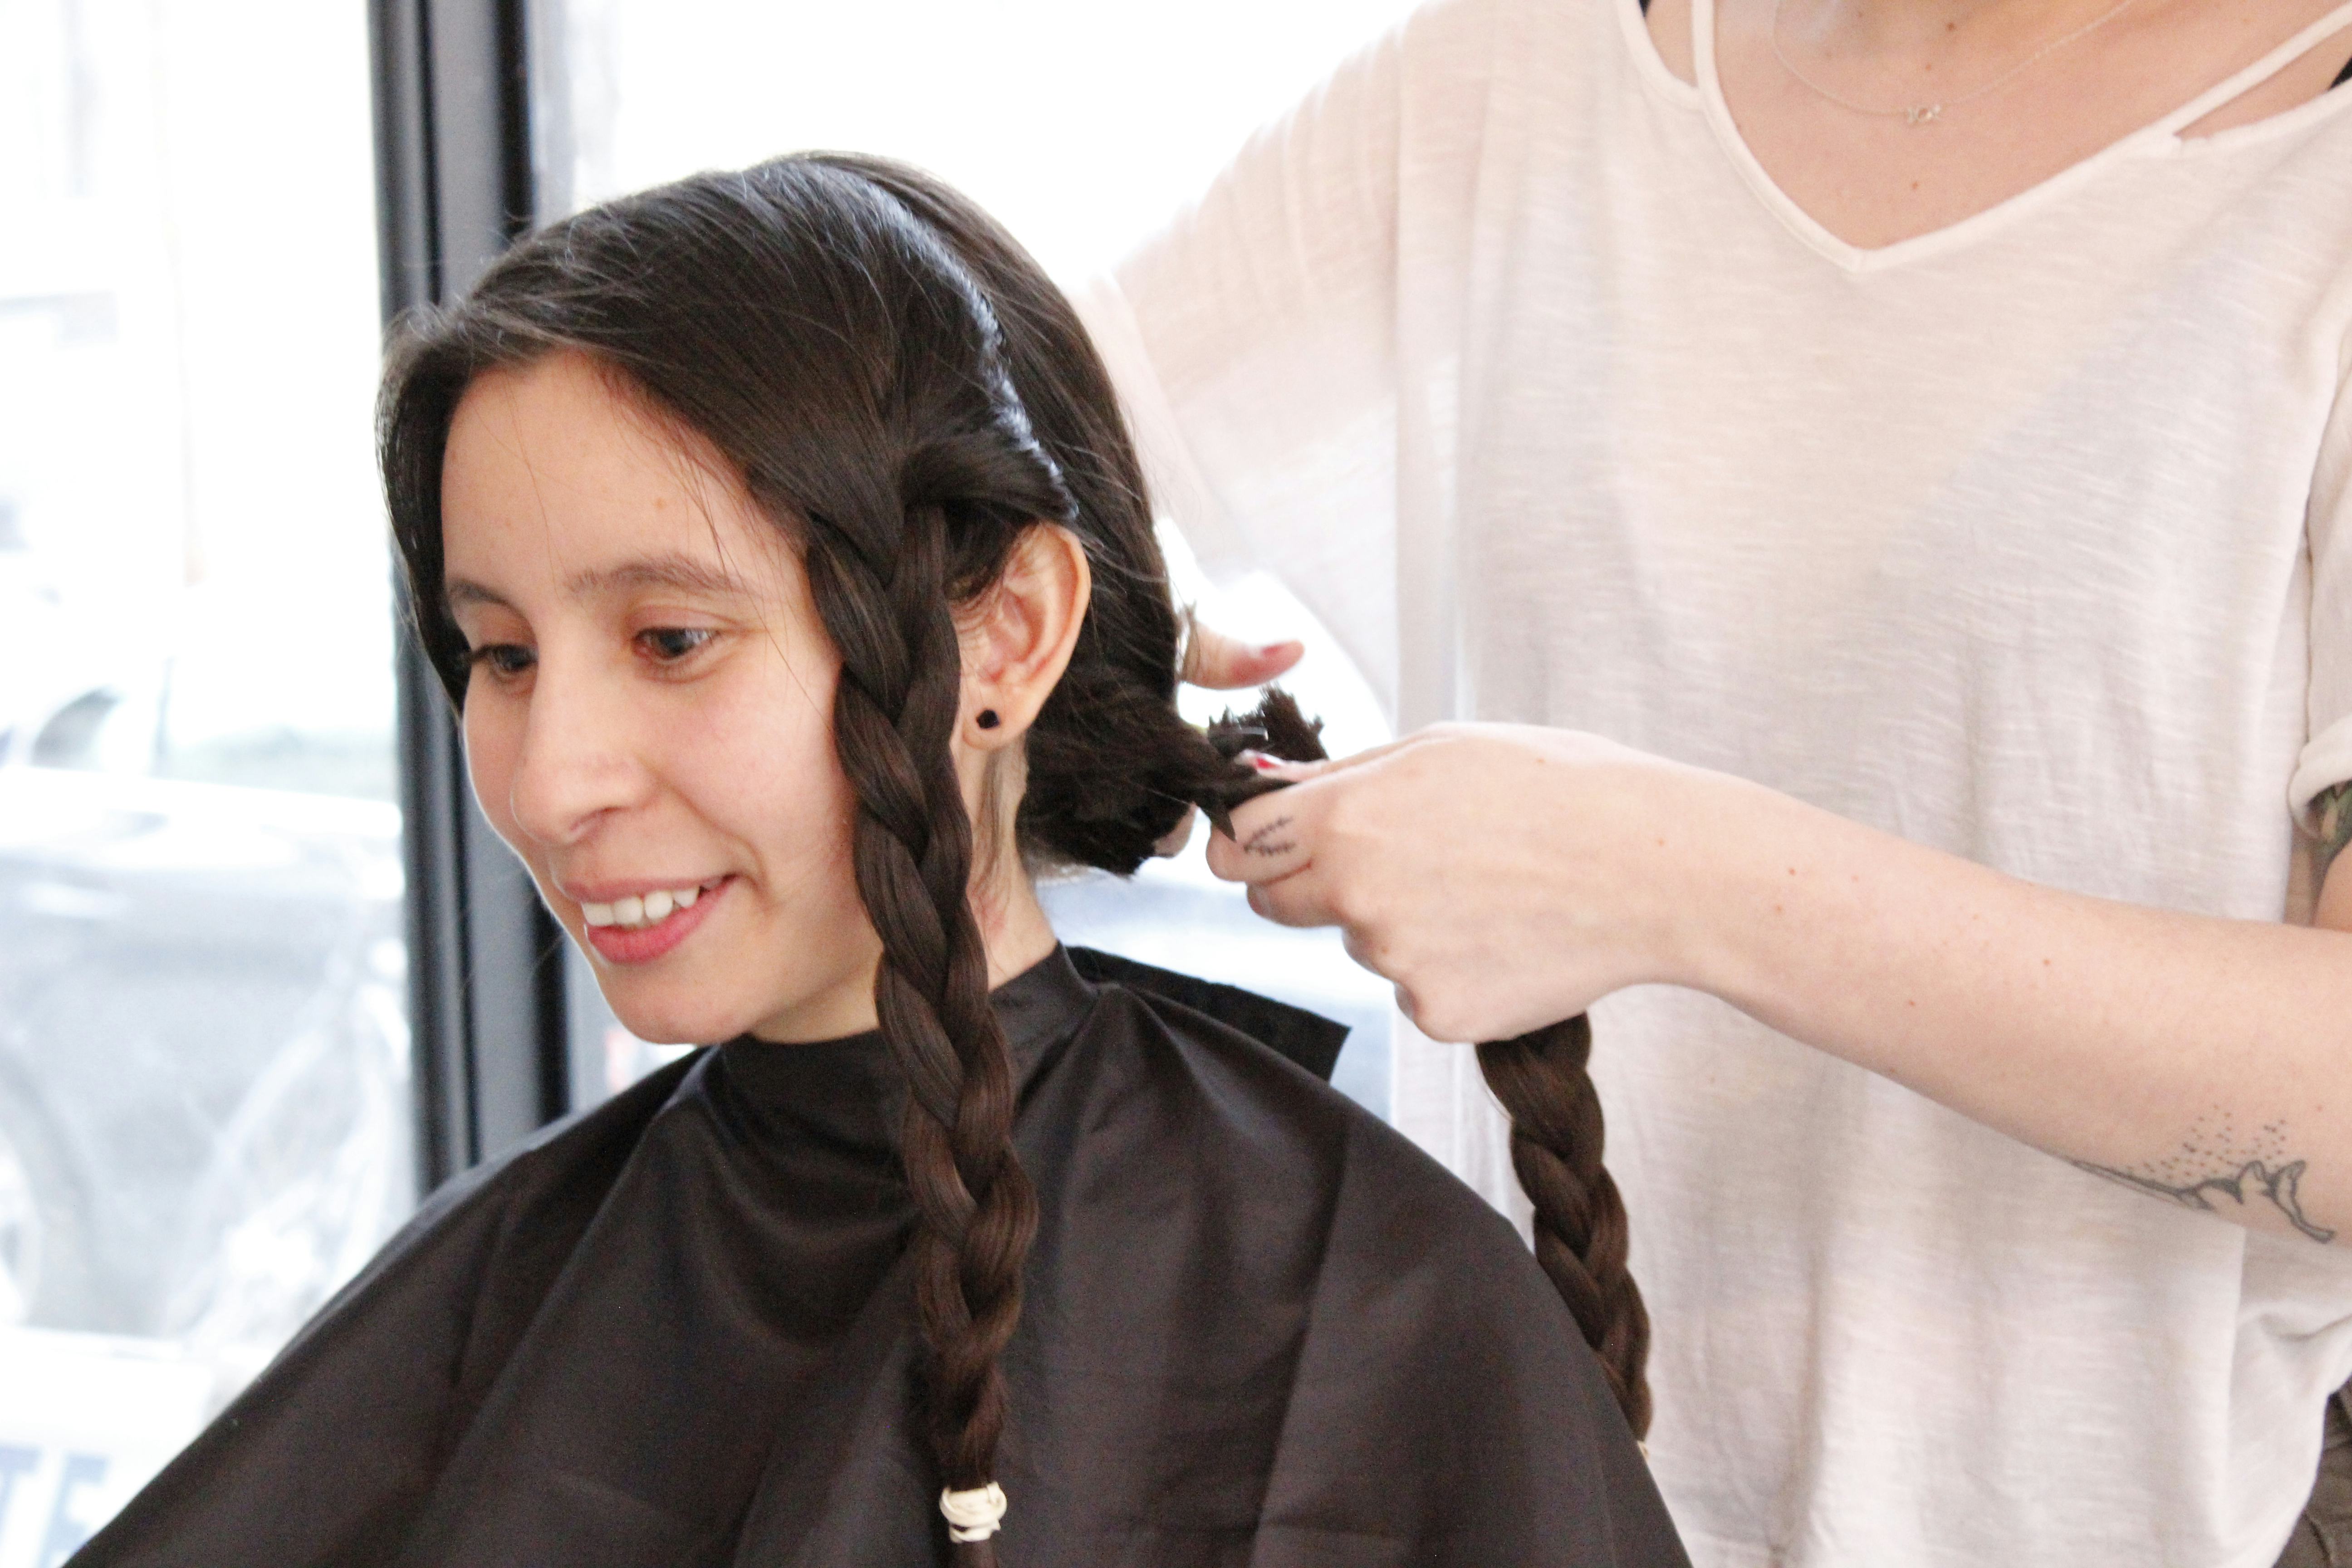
[
  {"x": 680, "y": 1024},
  {"x": 669, "y": 1014},
  {"x": 719, "y": 983}
]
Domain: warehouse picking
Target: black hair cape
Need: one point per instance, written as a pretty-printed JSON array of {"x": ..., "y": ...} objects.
[{"x": 1260, "y": 1328}]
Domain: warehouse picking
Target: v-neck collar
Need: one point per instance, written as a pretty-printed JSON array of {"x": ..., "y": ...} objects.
[{"x": 2160, "y": 138}]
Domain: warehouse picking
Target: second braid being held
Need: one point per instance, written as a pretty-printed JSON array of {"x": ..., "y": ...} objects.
[{"x": 1544, "y": 1081}]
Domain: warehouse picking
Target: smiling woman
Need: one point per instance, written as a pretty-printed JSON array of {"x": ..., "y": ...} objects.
[
  {"x": 647, "y": 708},
  {"x": 779, "y": 539}
]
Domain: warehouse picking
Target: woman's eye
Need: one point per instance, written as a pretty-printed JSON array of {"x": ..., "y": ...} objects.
[
  {"x": 670, "y": 644},
  {"x": 505, "y": 659}
]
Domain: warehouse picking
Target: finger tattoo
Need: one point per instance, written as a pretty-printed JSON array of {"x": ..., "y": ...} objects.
[{"x": 1270, "y": 840}]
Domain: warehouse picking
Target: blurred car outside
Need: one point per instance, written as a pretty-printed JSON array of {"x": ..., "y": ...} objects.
[{"x": 206, "y": 1119}]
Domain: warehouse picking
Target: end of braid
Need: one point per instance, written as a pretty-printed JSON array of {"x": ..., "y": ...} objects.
[
  {"x": 1277, "y": 727},
  {"x": 1580, "y": 1232}
]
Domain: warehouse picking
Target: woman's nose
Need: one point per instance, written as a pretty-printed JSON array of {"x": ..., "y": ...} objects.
[{"x": 575, "y": 764}]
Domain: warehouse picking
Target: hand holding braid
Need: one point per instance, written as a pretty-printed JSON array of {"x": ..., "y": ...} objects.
[
  {"x": 894, "y": 711},
  {"x": 1543, "y": 1081}
]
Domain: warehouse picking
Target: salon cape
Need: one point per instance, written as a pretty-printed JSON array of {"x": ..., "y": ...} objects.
[{"x": 1259, "y": 1327}]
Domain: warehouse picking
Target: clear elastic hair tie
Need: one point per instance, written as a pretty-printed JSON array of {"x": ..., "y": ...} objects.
[{"x": 973, "y": 1515}]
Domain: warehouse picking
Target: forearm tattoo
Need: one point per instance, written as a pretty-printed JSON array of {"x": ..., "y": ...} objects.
[
  {"x": 2218, "y": 1165},
  {"x": 2335, "y": 816}
]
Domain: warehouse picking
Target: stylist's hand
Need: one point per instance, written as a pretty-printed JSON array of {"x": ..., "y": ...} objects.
[
  {"x": 1220, "y": 663},
  {"x": 1216, "y": 662},
  {"x": 1503, "y": 877}
]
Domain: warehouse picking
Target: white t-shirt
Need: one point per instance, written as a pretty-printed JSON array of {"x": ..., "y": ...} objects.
[{"x": 2024, "y": 539}]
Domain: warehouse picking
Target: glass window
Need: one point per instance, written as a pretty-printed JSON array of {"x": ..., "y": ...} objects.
[
  {"x": 205, "y": 1111},
  {"x": 1082, "y": 126}
]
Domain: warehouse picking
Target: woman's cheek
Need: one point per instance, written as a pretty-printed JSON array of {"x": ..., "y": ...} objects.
[
  {"x": 493, "y": 739},
  {"x": 804, "y": 813}
]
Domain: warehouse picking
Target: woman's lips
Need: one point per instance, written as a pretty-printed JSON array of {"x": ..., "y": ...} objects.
[{"x": 642, "y": 944}]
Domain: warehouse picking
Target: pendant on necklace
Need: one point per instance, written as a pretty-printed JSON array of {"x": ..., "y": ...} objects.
[{"x": 1924, "y": 115}]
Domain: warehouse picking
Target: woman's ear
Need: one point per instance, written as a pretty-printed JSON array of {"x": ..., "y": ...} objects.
[{"x": 1018, "y": 635}]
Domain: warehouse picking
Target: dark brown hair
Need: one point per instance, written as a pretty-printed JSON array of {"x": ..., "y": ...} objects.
[
  {"x": 904, "y": 393},
  {"x": 1544, "y": 1082}
]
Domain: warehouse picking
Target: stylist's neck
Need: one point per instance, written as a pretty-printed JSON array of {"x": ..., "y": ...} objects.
[{"x": 1912, "y": 26}]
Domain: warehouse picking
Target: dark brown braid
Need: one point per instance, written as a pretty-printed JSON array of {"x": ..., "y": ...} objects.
[
  {"x": 1544, "y": 1082},
  {"x": 894, "y": 711}
]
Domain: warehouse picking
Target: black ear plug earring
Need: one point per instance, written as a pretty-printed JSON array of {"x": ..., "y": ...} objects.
[{"x": 988, "y": 719}]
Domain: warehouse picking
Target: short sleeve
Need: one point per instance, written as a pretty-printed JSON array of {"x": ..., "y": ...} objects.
[
  {"x": 1254, "y": 340},
  {"x": 1259, "y": 321},
  {"x": 2327, "y": 758}
]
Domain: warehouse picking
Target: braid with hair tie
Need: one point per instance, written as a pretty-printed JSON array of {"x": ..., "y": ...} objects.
[
  {"x": 894, "y": 710},
  {"x": 1544, "y": 1082}
]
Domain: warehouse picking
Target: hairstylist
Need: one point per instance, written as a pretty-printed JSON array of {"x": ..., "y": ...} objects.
[{"x": 1872, "y": 481}]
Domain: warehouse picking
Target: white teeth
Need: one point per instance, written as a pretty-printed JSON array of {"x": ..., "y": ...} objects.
[{"x": 638, "y": 913}]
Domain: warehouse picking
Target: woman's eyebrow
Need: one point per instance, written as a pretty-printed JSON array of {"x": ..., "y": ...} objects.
[
  {"x": 680, "y": 571},
  {"x": 667, "y": 571},
  {"x": 459, "y": 592}
]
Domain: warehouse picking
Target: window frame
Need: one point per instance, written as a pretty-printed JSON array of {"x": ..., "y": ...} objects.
[{"x": 456, "y": 187}]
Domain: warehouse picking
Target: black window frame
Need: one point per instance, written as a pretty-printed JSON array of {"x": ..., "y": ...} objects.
[{"x": 455, "y": 187}]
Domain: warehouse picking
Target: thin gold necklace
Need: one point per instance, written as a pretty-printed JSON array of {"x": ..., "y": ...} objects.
[{"x": 1929, "y": 113}]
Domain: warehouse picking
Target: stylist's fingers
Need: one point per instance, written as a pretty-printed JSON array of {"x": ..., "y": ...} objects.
[
  {"x": 1269, "y": 840},
  {"x": 1221, "y": 663},
  {"x": 1301, "y": 899},
  {"x": 1271, "y": 849},
  {"x": 1274, "y": 835}
]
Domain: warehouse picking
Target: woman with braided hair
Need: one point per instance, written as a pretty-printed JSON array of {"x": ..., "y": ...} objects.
[{"x": 779, "y": 538}]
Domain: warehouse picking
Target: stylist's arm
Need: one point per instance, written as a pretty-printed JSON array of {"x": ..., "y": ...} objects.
[{"x": 1506, "y": 876}]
